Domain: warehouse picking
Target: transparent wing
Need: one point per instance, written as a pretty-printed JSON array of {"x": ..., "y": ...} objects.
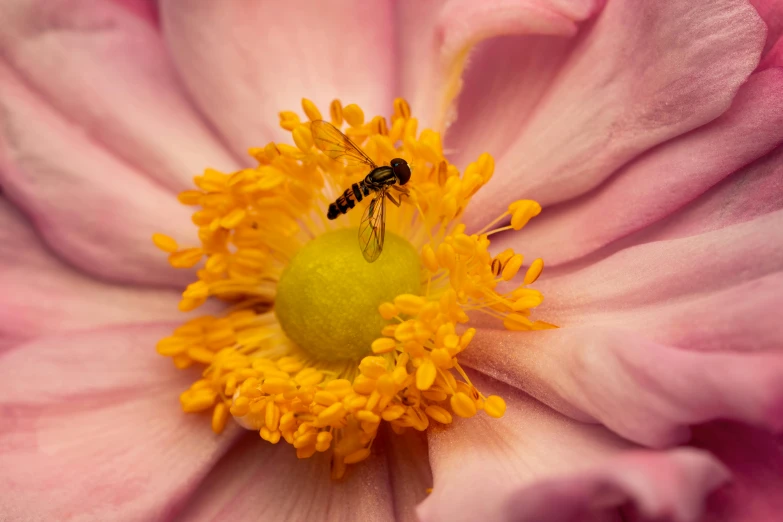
[
  {"x": 372, "y": 229},
  {"x": 337, "y": 145}
]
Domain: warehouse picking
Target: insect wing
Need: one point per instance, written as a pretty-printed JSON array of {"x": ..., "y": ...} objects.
[
  {"x": 337, "y": 145},
  {"x": 372, "y": 230}
]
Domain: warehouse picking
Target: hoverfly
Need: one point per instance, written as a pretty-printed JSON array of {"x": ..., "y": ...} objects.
[{"x": 380, "y": 181}]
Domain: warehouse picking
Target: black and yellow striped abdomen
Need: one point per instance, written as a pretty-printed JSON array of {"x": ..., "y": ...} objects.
[{"x": 348, "y": 200}]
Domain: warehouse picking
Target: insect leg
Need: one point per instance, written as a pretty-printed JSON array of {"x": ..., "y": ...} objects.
[
  {"x": 393, "y": 200},
  {"x": 402, "y": 190}
]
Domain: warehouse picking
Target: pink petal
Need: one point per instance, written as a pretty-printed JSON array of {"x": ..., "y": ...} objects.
[
  {"x": 41, "y": 295},
  {"x": 755, "y": 459},
  {"x": 409, "y": 471},
  {"x": 640, "y": 77},
  {"x": 534, "y": 464},
  {"x": 647, "y": 392},
  {"x": 771, "y": 11},
  {"x": 114, "y": 82},
  {"x": 92, "y": 424},
  {"x": 436, "y": 37},
  {"x": 145, "y": 9},
  {"x": 747, "y": 194},
  {"x": 693, "y": 320},
  {"x": 664, "y": 180},
  {"x": 261, "y": 481},
  {"x": 243, "y": 62},
  {"x": 493, "y": 92},
  {"x": 705, "y": 323},
  {"x": 672, "y": 285},
  {"x": 93, "y": 210},
  {"x": 674, "y": 293},
  {"x": 774, "y": 57},
  {"x": 651, "y": 486},
  {"x": 664, "y": 270}
]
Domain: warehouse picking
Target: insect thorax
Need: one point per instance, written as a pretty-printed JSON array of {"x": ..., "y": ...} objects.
[{"x": 380, "y": 177}]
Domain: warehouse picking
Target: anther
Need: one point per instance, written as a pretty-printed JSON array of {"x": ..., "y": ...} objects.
[
  {"x": 522, "y": 211},
  {"x": 379, "y": 126},
  {"x": 354, "y": 115},
  {"x": 383, "y": 345},
  {"x": 303, "y": 138},
  {"x": 311, "y": 110},
  {"x": 336, "y": 113},
  {"x": 463, "y": 405},
  {"x": 496, "y": 267},
  {"x": 289, "y": 120},
  {"x": 401, "y": 109},
  {"x": 164, "y": 243},
  {"x": 512, "y": 267},
  {"x": 443, "y": 173},
  {"x": 425, "y": 375},
  {"x": 536, "y": 267}
]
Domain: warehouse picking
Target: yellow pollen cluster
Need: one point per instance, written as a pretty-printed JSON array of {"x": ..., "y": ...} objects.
[
  {"x": 301, "y": 405},
  {"x": 253, "y": 221}
]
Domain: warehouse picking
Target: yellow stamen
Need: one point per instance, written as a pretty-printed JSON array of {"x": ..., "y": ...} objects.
[
  {"x": 534, "y": 271},
  {"x": 336, "y": 114},
  {"x": 165, "y": 243},
  {"x": 522, "y": 211},
  {"x": 311, "y": 110},
  {"x": 495, "y": 406},
  {"x": 219, "y": 417},
  {"x": 354, "y": 115},
  {"x": 316, "y": 347}
]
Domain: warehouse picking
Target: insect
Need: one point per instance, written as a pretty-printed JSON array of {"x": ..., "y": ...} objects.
[{"x": 380, "y": 181}]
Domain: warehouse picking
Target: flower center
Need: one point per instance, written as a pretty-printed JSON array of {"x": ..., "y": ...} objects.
[
  {"x": 328, "y": 295},
  {"x": 315, "y": 346}
]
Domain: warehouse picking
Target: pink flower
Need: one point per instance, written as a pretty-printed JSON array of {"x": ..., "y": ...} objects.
[{"x": 650, "y": 132}]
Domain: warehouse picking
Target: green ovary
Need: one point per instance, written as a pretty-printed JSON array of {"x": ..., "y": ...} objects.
[{"x": 328, "y": 295}]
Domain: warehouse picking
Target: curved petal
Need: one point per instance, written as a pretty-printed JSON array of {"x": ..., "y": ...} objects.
[
  {"x": 664, "y": 270},
  {"x": 534, "y": 464},
  {"x": 672, "y": 293},
  {"x": 93, "y": 210},
  {"x": 436, "y": 38},
  {"x": 91, "y": 423},
  {"x": 497, "y": 99},
  {"x": 641, "y": 76},
  {"x": 665, "y": 179},
  {"x": 771, "y": 11},
  {"x": 42, "y": 295},
  {"x": 243, "y": 62},
  {"x": 774, "y": 57},
  {"x": 409, "y": 471},
  {"x": 705, "y": 323},
  {"x": 114, "y": 81},
  {"x": 669, "y": 486},
  {"x": 388, "y": 486},
  {"x": 694, "y": 321},
  {"x": 145, "y": 9},
  {"x": 755, "y": 459},
  {"x": 647, "y": 392},
  {"x": 261, "y": 481},
  {"x": 747, "y": 194}
]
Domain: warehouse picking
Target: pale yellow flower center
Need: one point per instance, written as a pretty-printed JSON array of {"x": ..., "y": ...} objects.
[{"x": 328, "y": 295}]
